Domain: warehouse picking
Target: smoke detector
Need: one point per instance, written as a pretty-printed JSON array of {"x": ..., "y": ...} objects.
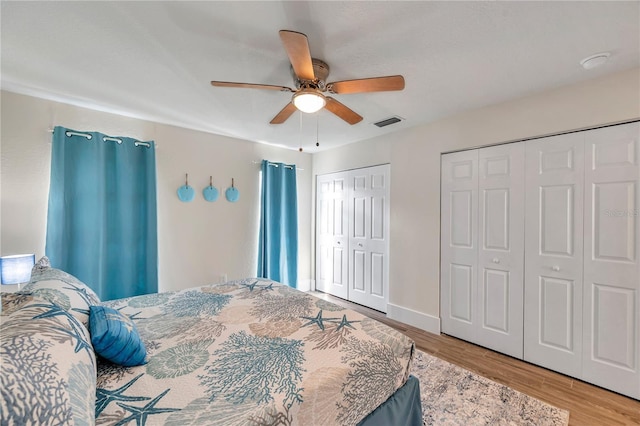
[{"x": 595, "y": 60}]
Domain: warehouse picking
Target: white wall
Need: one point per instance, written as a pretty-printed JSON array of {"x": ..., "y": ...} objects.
[
  {"x": 197, "y": 241},
  {"x": 414, "y": 155}
]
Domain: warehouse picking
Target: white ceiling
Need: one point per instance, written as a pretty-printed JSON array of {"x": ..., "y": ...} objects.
[{"x": 155, "y": 60}]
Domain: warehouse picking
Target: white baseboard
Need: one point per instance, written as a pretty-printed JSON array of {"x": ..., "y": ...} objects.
[
  {"x": 305, "y": 285},
  {"x": 417, "y": 319}
]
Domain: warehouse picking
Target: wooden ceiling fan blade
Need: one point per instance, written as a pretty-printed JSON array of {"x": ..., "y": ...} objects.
[
  {"x": 375, "y": 84},
  {"x": 297, "y": 46},
  {"x": 342, "y": 111},
  {"x": 284, "y": 114},
  {"x": 251, "y": 86}
]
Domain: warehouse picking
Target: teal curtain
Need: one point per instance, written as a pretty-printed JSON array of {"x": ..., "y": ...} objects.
[
  {"x": 102, "y": 222},
  {"x": 278, "y": 246}
]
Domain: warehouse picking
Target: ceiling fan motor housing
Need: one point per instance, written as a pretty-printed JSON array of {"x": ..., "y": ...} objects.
[{"x": 321, "y": 71}]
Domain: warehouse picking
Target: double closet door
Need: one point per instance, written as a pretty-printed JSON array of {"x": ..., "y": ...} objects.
[
  {"x": 569, "y": 299},
  {"x": 352, "y": 235},
  {"x": 582, "y": 272}
]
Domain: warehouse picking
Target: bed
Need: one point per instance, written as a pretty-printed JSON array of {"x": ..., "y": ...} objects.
[{"x": 244, "y": 352}]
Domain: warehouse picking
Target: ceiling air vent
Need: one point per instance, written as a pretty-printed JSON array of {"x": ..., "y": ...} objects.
[{"x": 388, "y": 121}]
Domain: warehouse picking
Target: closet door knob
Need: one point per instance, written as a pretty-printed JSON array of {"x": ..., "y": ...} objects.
[
  {"x": 359, "y": 244},
  {"x": 496, "y": 260},
  {"x": 555, "y": 268},
  {"x": 339, "y": 242}
]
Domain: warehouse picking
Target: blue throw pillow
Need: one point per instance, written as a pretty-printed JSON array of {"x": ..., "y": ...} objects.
[{"x": 115, "y": 337}]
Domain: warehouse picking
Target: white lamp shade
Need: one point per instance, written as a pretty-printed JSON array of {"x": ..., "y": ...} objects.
[
  {"x": 17, "y": 268},
  {"x": 309, "y": 101}
]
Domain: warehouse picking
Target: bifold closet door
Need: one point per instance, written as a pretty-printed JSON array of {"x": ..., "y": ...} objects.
[
  {"x": 482, "y": 240},
  {"x": 566, "y": 294},
  {"x": 611, "y": 338},
  {"x": 500, "y": 248},
  {"x": 553, "y": 253},
  {"x": 459, "y": 244},
  {"x": 369, "y": 236},
  {"x": 332, "y": 237},
  {"x": 352, "y": 235}
]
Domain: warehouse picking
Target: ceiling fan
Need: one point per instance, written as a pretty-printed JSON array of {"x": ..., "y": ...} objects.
[{"x": 310, "y": 76}]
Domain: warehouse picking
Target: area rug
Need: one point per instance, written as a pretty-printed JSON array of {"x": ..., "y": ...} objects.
[{"x": 452, "y": 395}]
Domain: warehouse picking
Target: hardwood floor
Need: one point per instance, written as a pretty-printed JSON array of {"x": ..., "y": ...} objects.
[{"x": 587, "y": 404}]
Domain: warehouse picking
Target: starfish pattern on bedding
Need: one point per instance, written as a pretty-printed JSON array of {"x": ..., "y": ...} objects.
[
  {"x": 318, "y": 320},
  {"x": 250, "y": 286},
  {"x": 140, "y": 414},
  {"x": 261, "y": 287},
  {"x": 54, "y": 311},
  {"x": 105, "y": 396},
  {"x": 84, "y": 294},
  {"x": 80, "y": 342},
  {"x": 135, "y": 316}
]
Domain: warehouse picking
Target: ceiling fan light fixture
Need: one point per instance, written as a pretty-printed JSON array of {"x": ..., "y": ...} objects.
[{"x": 309, "y": 100}]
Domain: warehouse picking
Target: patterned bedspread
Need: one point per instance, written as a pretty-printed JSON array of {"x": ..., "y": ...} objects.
[{"x": 251, "y": 352}]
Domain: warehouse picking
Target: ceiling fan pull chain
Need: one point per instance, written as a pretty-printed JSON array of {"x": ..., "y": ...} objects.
[{"x": 300, "y": 149}]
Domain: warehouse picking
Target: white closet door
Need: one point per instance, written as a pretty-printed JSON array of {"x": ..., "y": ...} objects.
[
  {"x": 369, "y": 237},
  {"x": 459, "y": 244},
  {"x": 553, "y": 253},
  {"x": 611, "y": 266},
  {"x": 332, "y": 234},
  {"x": 501, "y": 248}
]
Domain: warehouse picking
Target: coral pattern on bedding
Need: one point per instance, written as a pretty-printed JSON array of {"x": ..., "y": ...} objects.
[
  {"x": 251, "y": 352},
  {"x": 62, "y": 289},
  {"x": 48, "y": 365}
]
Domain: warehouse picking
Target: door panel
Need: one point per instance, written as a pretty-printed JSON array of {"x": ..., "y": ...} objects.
[
  {"x": 496, "y": 295},
  {"x": 338, "y": 266},
  {"x": 496, "y": 219},
  {"x": 556, "y": 313},
  {"x": 377, "y": 274},
  {"x": 611, "y": 268},
  {"x": 557, "y": 216},
  {"x": 501, "y": 247},
  {"x": 359, "y": 220},
  {"x": 369, "y": 237},
  {"x": 553, "y": 253},
  {"x": 462, "y": 217},
  {"x": 613, "y": 309},
  {"x": 332, "y": 235},
  {"x": 460, "y": 291},
  {"x": 359, "y": 272},
  {"x": 377, "y": 218},
  {"x": 459, "y": 244},
  {"x": 324, "y": 233},
  {"x": 339, "y": 208},
  {"x": 614, "y": 228}
]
